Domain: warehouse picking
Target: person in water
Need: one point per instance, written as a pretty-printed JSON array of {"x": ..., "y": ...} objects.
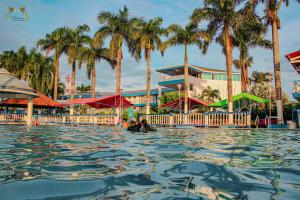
[
  {"x": 124, "y": 123},
  {"x": 141, "y": 127}
]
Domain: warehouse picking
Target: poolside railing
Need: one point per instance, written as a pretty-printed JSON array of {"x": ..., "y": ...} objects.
[
  {"x": 210, "y": 119},
  {"x": 78, "y": 119},
  {"x": 62, "y": 119},
  {"x": 13, "y": 118}
]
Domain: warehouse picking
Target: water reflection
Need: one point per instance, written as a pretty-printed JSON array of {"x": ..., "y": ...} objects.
[{"x": 172, "y": 163}]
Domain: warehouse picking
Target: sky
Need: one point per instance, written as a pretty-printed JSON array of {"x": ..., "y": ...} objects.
[{"x": 47, "y": 15}]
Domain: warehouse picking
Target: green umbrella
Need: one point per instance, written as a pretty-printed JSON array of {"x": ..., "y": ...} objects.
[{"x": 238, "y": 97}]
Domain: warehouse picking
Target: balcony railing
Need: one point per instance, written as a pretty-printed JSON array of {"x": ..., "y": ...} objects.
[{"x": 179, "y": 78}]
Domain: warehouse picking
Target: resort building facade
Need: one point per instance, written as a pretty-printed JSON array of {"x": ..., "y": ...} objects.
[
  {"x": 172, "y": 77},
  {"x": 138, "y": 97}
]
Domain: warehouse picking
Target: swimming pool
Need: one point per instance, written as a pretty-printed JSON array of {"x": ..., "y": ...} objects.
[{"x": 60, "y": 162}]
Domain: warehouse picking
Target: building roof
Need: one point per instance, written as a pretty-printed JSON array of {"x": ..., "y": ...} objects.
[
  {"x": 12, "y": 87},
  {"x": 41, "y": 101},
  {"x": 294, "y": 59},
  {"x": 171, "y": 70}
]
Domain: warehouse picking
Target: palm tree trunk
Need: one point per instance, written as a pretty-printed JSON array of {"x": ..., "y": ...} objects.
[
  {"x": 118, "y": 72},
  {"x": 186, "y": 79},
  {"x": 56, "y": 77},
  {"x": 148, "y": 80},
  {"x": 118, "y": 81},
  {"x": 276, "y": 57},
  {"x": 244, "y": 77},
  {"x": 93, "y": 80},
  {"x": 73, "y": 86},
  {"x": 228, "y": 51}
]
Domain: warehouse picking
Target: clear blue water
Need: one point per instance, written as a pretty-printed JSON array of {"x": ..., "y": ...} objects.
[{"x": 59, "y": 163}]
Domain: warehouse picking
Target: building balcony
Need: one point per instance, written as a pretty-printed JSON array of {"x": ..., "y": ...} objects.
[
  {"x": 296, "y": 95},
  {"x": 173, "y": 81}
]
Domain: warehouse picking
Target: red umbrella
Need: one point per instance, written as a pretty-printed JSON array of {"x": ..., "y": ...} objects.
[
  {"x": 41, "y": 101},
  {"x": 113, "y": 101},
  {"x": 294, "y": 59},
  {"x": 176, "y": 104}
]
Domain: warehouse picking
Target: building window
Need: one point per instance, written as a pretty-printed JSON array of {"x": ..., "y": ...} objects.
[
  {"x": 207, "y": 76},
  {"x": 221, "y": 77},
  {"x": 236, "y": 77}
]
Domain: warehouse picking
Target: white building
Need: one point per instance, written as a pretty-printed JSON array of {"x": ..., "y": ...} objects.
[{"x": 199, "y": 79}]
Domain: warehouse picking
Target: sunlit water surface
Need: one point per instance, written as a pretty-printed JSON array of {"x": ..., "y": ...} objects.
[{"x": 58, "y": 163}]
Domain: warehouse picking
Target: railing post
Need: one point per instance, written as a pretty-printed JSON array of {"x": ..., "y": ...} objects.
[
  {"x": 63, "y": 119},
  {"x": 206, "y": 119},
  {"x": 249, "y": 119},
  {"x": 116, "y": 119},
  {"x": 171, "y": 120}
]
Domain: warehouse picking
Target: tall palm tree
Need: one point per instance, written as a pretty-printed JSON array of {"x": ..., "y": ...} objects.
[
  {"x": 188, "y": 35},
  {"x": 54, "y": 42},
  {"x": 90, "y": 55},
  {"x": 210, "y": 95},
  {"x": 222, "y": 17},
  {"x": 76, "y": 40},
  {"x": 149, "y": 37},
  {"x": 249, "y": 33},
  {"x": 272, "y": 8},
  {"x": 121, "y": 28}
]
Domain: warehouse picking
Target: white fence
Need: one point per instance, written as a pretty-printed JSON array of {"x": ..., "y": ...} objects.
[
  {"x": 62, "y": 119},
  {"x": 79, "y": 119},
  {"x": 211, "y": 119},
  {"x": 13, "y": 118}
]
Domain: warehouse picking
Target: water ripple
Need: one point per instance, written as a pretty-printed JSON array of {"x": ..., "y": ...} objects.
[{"x": 58, "y": 162}]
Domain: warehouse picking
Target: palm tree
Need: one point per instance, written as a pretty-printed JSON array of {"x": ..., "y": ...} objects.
[
  {"x": 149, "y": 40},
  {"x": 56, "y": 42},
  {"x": 249, "y": 33},
  {"x": 222, "y": 17},
  {"x": 83, "y": 88},
  {"x": 90, "y": 55},
  {"x": 21, "y": 69},
  {"x": 76, "y": 40},
  {"x": 188, "y": 35},
  {"x": 41, "y": 72},
  {"x": 121, "y": 28},
  {"x": 61, "y": 88},
  {"x": 9, "y": 61},
  {"x": 271, "y": 18},
  {"x": 259, "y": 77},
  {"x": 210, "y": 95},
  {"x": 33, "y": 67}
]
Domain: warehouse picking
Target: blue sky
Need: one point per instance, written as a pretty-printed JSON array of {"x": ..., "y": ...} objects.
[{"x": 46, "y": 15}]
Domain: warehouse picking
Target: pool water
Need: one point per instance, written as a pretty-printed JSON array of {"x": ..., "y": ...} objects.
[{"x": 60, "y": 162}]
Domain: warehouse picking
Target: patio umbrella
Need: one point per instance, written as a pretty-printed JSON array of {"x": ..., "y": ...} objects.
[
  {"x": 238, "y": 97},
  {"x": 12, "y": 87}
]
